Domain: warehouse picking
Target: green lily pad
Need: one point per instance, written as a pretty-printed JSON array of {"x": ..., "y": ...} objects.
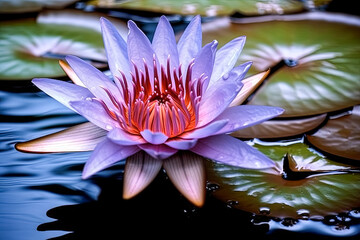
[
  {"x": 22, "y": 6},
  {"x": 304, "y": 184},
  {"x": 31, "y": 48},
  {"x": 314, "y": 59},
  {"x": 340, "y": 136},
  {"x": 205, "y": 7}
]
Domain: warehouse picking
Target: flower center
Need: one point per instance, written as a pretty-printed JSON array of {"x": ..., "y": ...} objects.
[{"x": 165, "y": 101}]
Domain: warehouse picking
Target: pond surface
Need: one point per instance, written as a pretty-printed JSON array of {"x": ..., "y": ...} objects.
[{"x": 43, "y": 195}]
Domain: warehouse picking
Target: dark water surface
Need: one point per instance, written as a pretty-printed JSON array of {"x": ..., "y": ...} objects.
[{"x": 43, "y": 196}]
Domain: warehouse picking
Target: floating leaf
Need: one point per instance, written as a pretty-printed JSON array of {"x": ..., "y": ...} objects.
[
  {"x": 205, "y": 7},
  {"x": 313, "y": 72},
  {"x": 280, "y": 128},
  {"x": 31, "y": 48},
  {"x": 22, "y": 6},
  {"x": 303, "y": 182},
  {"x": 340, "y": 136}
]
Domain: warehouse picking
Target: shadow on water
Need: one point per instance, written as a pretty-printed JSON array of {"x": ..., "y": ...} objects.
[{"x": 161, "y": 212}]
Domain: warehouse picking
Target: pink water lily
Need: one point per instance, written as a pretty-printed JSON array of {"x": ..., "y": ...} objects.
[{"x": 167, "y": 106}]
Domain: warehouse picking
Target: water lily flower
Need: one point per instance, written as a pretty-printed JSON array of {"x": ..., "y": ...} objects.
[{"x": 166, "y": 106}]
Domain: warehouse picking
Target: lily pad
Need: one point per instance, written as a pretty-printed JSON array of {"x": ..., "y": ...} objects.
[
  {"x": 32, "y": 48},
  {"x": 22, "y": 6},
  {"x": 340, "y": 136},
  {"x": 313, "y": 71},
  {"x": 205, "y": 7},
  {"x": 280, "y": 128},
  {"x": 304, "y": 184}
]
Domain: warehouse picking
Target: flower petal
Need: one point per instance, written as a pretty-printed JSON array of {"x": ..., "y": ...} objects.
[
  {"x": 190, "y": 42},
  {"x": 70, "y": 72},
  {"x": 106, "y": 154},
  {"x": 93, "y": 79},
  {"x": 140, "y": 171},
  {"x": 164, "y": 43},
  {"x": 158, "y": 151},
  {"x": 82, "y": 137},
  {"x": 119, "y": 136},
  {"x": 204, "y": 62},
  {"x": 62, "y": 91},
  {"x": 140, "y": 49},
  {"x": 246, "y": 115},
  {"x": 226, "y": 58},
  {"x": 231, "y": 151},
  {"x": 181, "y": 144},
  {"x": 116, "y": 49},
  {"x": 218, "y": 97},
  {"x": 187, "y": 172},
  {"x": 208, "y": 130},
  {"x": 154, "y": 137},
  {"x": 250, "y": 84},
  {"x": 93, "y": 111}
]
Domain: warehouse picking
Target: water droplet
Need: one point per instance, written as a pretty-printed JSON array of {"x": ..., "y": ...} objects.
[
  {"x": 212, "y": 187},
  {"x": 290, "y": 62},
  {"x": 109, "y": 127},
  {"x": 226, "y": 76},
  {"x": 354, "y": 213},
  {"x": 289, "y": 222},
  {"x": 303, "y": 213},
  {"x": 264, "y": 210},
  {"x": 231, "y": 203},
  {"x": 88, "y": 99}
]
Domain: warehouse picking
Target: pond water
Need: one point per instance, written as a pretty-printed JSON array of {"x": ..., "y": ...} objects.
[{"x": 43, "y": 195}]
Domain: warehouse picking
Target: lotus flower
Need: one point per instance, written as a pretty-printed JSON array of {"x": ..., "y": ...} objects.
[{"x": 167, "y": 106}]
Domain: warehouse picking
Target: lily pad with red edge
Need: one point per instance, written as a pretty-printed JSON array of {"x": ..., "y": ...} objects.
[
  {"x": 304, "y": 184},
  {"x": 32, "y": 47},
  {"x": 340, "y": 136},
  {"x": 205, "y": 7},
  {"x": 314, "y": 59}
]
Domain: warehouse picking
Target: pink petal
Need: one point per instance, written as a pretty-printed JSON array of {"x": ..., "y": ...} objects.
[
  {"x": 187, "y": 172},
  {"x": 181, "y": 144},
  {"x": 140, "y": 49},
  {"x": 158, "y": 151},
  {"x": 164, "y": 43},
  {"x": 218, "y": 97},
  {"x": 105, "y": 155},
  {"x": 93, "y": 79},
  {"x": 246, "y": 115},
  {"x": 250, "y": 84},
  {"x": 94, "y": 112},
  {"x": 154, "y": 137},
  {"x": 231, "y": 151},
  {"x": 62, "y": 91},
  {"x": 82, "y": 137},
  {"x": 204, "y": 62},
  {"x": 140, "y": 171},
  {"x": 226, "y": 58},
  {"x": 119, "y": 136},
  {"x": 116, "y": 49},
  {"x": 208, "y": 130},
  {"x": 190, "y": 42}
]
